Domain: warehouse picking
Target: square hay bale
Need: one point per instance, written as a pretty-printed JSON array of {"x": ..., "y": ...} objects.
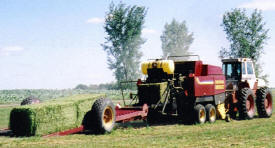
[{"x": 52, "y": 116}]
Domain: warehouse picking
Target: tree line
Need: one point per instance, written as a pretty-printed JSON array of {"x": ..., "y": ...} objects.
[
  {"x": 103, "y": 86},
  {"x": 123, "y": 26}
]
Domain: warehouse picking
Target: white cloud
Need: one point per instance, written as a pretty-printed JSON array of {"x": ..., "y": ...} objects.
[
  {"x": 9, "y": 50},
  {"x": 259, "y": 4},
  {"x": 148, "y": 31},
  {"x": 95, "y": 20}
]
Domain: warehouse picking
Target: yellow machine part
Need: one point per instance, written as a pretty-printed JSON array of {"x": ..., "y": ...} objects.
[
  {"x": 221, "y": 110},
  {"x": 167, "y": 66}
]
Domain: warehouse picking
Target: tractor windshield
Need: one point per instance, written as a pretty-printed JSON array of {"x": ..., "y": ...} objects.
[{"x": 232, "y": 71}]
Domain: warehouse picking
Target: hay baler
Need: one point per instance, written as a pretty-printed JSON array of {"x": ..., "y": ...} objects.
[{"x": 190, "y": 90}]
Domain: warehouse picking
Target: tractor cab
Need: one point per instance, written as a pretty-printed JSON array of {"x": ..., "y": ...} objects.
[{"x": 239, "y": 72}]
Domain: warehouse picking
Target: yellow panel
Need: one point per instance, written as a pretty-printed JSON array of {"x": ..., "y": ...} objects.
[
  {"x": 206, "y": 82},
  {"x": 219, "y": 81},
  {"x": 167, "y": 66},
  {"x": 221, "y": 110},
  {"x": 144, "y": 67},
  {"x": 219, "y": 86}
]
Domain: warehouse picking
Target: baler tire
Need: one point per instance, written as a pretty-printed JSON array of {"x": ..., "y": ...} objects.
[
  {"x": 246, "y": 103},
  {"x": 153, "y": 117},
  {"x": 103, "y": 116},
  {"x": 211, "y": 113},
  {"x": 200, "y": 114},
  {"x": 264, "y": 102}
]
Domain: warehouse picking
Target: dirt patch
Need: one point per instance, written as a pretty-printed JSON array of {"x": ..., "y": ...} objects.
[{"x": 8, "y": 105}]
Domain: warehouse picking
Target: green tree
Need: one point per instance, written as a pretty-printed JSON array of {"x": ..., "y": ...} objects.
[
  {"x": 123, "y": 25},
  {"x": 246, "y": 35},
  {"x": 176, "y": 39}
]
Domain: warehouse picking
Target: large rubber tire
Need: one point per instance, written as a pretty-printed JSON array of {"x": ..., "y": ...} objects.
[
  {"x": 200, "y": 114},
  {"x": 211, "y": 113},
  {"x": 246, "y": 103},
  {"x": 30, "y": 100},
  {"x": 103, "y": 116},
  {"x": 153, "y": 117},
  {"x": 264, "y": 102}
]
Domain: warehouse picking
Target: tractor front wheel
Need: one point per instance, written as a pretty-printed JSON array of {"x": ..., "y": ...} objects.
[
  {"x": 264, "y": 102},
  {"x": 103, "y": 116},
  {"x": 200, "y": 114},
  {"x": 246, "y": 103},
  {"x": 210, "y": 113}
]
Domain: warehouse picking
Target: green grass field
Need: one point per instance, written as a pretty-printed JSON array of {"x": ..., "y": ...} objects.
[
  {"x": 259, "y": 132},
  {"x": 4, "y": 116}
]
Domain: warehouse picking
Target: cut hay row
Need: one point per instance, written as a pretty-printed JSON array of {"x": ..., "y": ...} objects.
[{"x": 52, "y": 116}]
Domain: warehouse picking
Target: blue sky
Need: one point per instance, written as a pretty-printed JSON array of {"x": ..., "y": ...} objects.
[{"x": 56, "y": 43}]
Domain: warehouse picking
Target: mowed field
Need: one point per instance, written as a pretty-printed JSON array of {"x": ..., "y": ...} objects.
[{"x": 259, "y": 132}]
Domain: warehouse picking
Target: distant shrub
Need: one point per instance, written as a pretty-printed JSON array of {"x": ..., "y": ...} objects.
[
  {"x": 30, "y": 100},
  {"x": 82, "y": 86}
]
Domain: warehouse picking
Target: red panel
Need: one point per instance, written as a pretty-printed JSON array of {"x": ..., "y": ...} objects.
[
  {"x": 67, "y": 132},
  {"x": 131, "y": 113},
  {"x": 209, "y": 85},
  {"x": 198, "y": 68},
  {"x": 214, "y": 70},
  {"x": 204, "y": 85},
  {"x": 124, "y": 115},
  {"x": 219, "y": 84},
  {"x": 209, "y": 80}
]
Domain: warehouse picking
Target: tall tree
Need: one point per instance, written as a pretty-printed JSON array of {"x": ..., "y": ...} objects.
[
  {"x": 123, "y": 25},
  {"x": 176, "y": 39},
  {"x": 246, "y": 35}
]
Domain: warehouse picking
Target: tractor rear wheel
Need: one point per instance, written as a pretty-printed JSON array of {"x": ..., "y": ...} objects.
[
  {"x": 264, "y": 102},
  {"x": 246, "y": 103},
  {"x": 200, "y": 114},
  {"x": 104, "y": 116},
  {"x": 210, "y": 113}
]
